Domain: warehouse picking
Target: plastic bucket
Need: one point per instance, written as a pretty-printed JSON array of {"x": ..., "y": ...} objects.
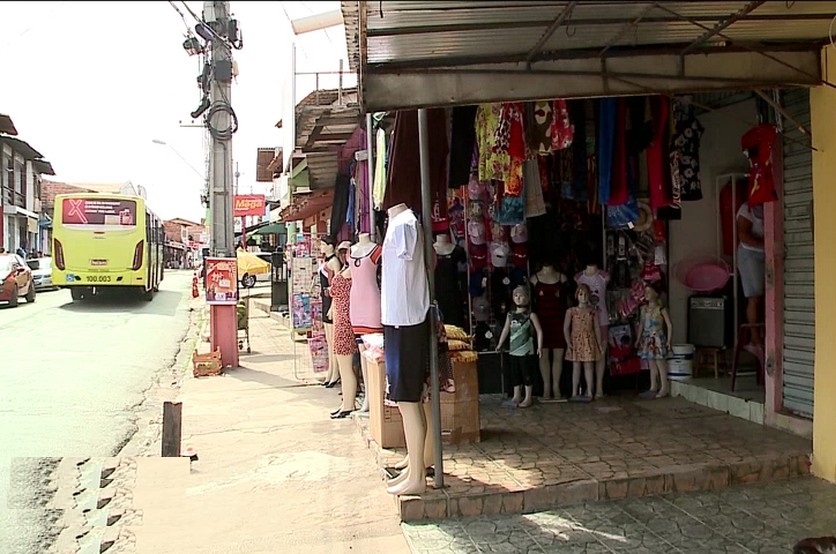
[
  {"x": 679, "y": 369},
  {"x": 683, "y": 351}
]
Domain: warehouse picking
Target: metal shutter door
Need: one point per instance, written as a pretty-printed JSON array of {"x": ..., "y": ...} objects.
[{"x": 799, "y": 296}]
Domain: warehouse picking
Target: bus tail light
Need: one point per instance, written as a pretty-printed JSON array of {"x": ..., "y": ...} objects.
[
  {"x": 138, "y": 255},
  {"x": 59, "y": 255}
]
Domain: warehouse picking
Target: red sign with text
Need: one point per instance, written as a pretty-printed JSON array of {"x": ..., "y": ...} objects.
[
  {"x": 221, "y": 280},
  {"x": 248, "y": 204}
]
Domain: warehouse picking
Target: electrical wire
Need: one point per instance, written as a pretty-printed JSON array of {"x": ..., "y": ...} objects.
[
  {"x": 206, "y": 25},
  {"x": 183, "y": 17},
  {"x": 217, "y": 107}
]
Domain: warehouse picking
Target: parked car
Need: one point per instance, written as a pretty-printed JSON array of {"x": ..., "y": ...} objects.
[
  {"x": 15, "y": 280},
  {"x": 41, "y": 273}
]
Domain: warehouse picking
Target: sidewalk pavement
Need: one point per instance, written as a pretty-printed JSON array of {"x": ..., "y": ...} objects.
[{"x": 275, "y": 473}]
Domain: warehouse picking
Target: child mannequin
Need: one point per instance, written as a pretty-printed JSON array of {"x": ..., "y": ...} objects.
[
  {"x": 518, "y": 325},
  {"x": 654, "y": 342},
  {"x": 584, "y": 344}
]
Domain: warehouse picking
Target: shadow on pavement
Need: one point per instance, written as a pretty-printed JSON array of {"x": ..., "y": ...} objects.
[
  {"x": 164, "y": 303},
  {"x": 248, "y": 375}
]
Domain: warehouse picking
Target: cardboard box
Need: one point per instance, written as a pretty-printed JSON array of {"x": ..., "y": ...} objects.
[
  {"x": 460, "y": 417},
  {"x": 385, "y": 422}
]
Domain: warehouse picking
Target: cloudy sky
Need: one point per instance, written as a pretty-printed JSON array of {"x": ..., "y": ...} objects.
[{"x": 91, "y": 84}]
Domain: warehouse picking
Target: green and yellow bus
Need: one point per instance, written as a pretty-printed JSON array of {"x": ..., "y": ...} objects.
[{"x": 106, "y": 241}]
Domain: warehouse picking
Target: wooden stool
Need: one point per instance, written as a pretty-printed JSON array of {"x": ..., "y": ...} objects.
[
  {"x": 744, "y": 336},
  {"x": 707, "y": 357}
]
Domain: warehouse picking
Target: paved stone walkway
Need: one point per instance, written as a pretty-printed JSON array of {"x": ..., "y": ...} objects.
[
  {"x": 557, "y": 455},
  {"x": 765, "y": 519}
]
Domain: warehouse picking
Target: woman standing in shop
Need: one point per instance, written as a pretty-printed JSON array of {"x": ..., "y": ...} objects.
[{"x": 751, "y": 266}]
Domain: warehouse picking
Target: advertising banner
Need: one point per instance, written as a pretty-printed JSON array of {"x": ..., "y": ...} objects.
[
  {"x": 221, "y": 281},
  {"x": 248, "y": 204},
  {"x": 95, "y": 211}
]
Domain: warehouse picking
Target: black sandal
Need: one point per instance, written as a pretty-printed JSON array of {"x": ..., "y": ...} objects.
[{"x": 342, "y": 414}]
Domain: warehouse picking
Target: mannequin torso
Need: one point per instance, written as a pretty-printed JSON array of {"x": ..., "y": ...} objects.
[
  {"x": 597, "y": 280},
  {"x": 443, "y": 246},
  {"x": 549, "y": 276},
  {"x": 363, "y": 246}
]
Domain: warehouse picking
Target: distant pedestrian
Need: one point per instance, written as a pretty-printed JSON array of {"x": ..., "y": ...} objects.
[{"x": 21, "y": 252}]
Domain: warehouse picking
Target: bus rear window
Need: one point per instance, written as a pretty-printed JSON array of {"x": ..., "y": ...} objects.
[{"x": 98, "y": 211}]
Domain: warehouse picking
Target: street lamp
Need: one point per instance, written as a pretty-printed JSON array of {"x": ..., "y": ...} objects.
[{"x": 179, "y": 155}]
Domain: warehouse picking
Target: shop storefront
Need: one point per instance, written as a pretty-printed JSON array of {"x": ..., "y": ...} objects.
[{"x": 395, "y": 49}]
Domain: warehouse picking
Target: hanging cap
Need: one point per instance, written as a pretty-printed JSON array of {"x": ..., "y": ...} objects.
[{"x": 344, "y": 245}]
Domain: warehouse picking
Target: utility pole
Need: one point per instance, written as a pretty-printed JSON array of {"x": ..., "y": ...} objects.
[{"x": 221, "y": 123}]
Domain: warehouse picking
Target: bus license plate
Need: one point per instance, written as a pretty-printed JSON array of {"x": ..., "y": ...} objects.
[{"x": 97, "y": 278}]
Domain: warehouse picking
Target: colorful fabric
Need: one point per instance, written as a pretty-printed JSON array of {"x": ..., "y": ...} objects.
[
  {"x": 522, "y": 334},
  {"x": 344, "y": 343},
  {"x": 685, "y": 152},
  {"x": 757, "y": 143},
  {"x": 562, "y": 131},
  {"x": 658, "y": 164},
  {"x": 492, "y": 164},
  {"x": 584, "y": 345},
  {"x": 654, "y": 342}
]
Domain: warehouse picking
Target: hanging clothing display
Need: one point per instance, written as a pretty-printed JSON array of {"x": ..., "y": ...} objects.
[
  {"x": 492, "y": 165},
  {"x": 448, "y": 292},
  {"x": 404, "y": 174},
  {"x": 619, "y": 192},
  {"x": 462, "y": 141},
  {"x": 379, "y": 185},
  {"x": 607, "y": 112},
  {"x": 562, "y": 130},
  {"x": 685, "y": 151},
  {"x": 757, "y": 144},
  {"x": 339, "y": 210},
  {"x": 658, "y": 165}
]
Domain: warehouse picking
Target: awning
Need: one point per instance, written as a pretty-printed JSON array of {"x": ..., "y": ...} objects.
[
  {"x": 271, "y": 229},
  {"x": 7, "y": 126},
  {"x": 21, "y": 147},
  {"x": 43, "y": 167},
  {"x": 422, "y": 54},
  {"x": 305, "y": 206}
]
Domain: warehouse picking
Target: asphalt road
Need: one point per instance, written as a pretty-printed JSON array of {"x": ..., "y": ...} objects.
[{"x": 71, "y": 376}]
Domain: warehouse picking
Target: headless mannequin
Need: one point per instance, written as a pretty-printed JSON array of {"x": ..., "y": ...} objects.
[
  {"x": 601, "y": 365},
  {"x": 333, "y": 266},
  {"x": 413, "y": 480},
  {"x": 361, "y": 249},
  {"x": 551, "y": 360},
  {"x": 348, "y": 378},
  {"x": 442, "y": 245}
]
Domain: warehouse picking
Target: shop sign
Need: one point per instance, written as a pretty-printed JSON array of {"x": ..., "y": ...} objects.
[
  {"x": 248, "y": 204},
  {"x": 221, "y": 281}
]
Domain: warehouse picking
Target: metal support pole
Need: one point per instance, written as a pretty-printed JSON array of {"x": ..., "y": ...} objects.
[
  {"x": 370, "y": 142},
  {"x": 426, "y": 212}
]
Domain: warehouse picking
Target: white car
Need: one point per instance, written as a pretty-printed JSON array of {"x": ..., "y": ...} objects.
[{"x": 41, "y": 273}]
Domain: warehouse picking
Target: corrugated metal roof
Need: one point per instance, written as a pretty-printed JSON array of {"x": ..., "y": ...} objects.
[
  {"x": 413, "y": 54},
  {"x": 7, "y": 126},
  {"x": 434, "y": 31}
]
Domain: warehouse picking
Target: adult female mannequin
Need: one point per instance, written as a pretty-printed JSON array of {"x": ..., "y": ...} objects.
[
  {"x": 330, "y": 267},
  {"x": 344, "y": 342},
  {"x": 365, "y": 297},
  {"x": 597, "y": 279},
  {"x": 448, "y": 290},
  {"x": 405, "y": 304},
  {"x": 550, "y": 304}
]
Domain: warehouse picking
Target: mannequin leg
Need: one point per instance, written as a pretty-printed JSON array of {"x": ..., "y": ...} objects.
[
  {"x": 576, "y": 379},
  {"x": 415, "y": 430},
  {"x": 556, "y": 371},
  {"x": 363, "y": 366},
  {"x": 654, "y": 375},
  {"x": 528, "y": 380},
  {"x": 664, "y": 384},
  {"x": 601, "y": 366},
  {"x": 333, "y": 371},
  {"x": 589, "y": 375},
  {"x": 429, "y": 450},
  {"x": 349, "y": 382},
  {"x": 546, "y": 372}
]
